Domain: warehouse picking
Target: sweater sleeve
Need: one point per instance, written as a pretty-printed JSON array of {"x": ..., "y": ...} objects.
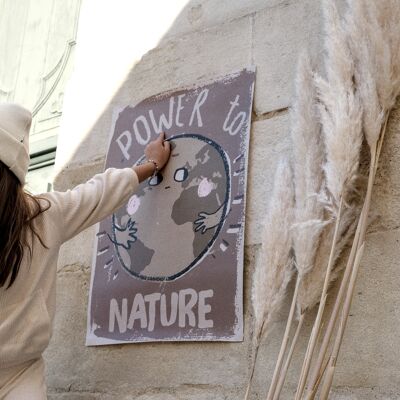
[{"x": 92, "y": 201}]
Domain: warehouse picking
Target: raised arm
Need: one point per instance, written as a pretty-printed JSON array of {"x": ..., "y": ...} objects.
[{"x": 92, "y": 201}]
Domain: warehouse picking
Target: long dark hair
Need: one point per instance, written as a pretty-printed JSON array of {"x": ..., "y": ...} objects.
[{"x": 18, "y": 209}]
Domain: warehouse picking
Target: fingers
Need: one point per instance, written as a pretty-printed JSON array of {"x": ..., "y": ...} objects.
[
  {"x": 159, "y": 150},
  {"x": 165, "y": 143},
  {"x": 161, "y": 137}
]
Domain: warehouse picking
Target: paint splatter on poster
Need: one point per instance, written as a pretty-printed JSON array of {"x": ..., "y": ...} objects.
[{"x": 168, "y": 265}]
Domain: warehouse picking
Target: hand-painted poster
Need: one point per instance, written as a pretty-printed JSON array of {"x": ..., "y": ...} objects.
[{"x": 168, "y": 265}]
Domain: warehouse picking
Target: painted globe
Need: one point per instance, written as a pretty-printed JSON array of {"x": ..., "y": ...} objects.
[{"x": 172, "y": 220}]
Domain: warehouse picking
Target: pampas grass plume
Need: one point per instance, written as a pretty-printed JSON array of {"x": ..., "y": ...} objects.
[
  {"x": 340, "y": 108},
  {"x": 311, "y": 286},
  {"x": 373, "y": 29},
  {"x": 274, "y": 268},
  {"x": 308, "y": 156}
]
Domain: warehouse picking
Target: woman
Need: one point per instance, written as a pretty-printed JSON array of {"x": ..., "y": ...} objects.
[{"x": 32, "y": 229}]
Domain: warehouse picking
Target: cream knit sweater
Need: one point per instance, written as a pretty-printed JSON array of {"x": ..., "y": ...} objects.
[{"x": 27, "y": 308}]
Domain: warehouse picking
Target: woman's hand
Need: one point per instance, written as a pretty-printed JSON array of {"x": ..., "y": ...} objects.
[{"x": 158, "y": 151}]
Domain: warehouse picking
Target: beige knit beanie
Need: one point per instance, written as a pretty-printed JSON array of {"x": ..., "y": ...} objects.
[{"x": 15, "y": 123}]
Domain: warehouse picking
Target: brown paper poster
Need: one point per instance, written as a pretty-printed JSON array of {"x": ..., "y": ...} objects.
[{"x": 168, "y": 265}]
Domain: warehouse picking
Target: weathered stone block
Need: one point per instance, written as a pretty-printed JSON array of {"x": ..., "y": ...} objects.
[
  {"x": 77, "y": 173},
  {"x": 371, "y": 393},
  {"x": 280, "y": 34},
  {"x": 385, "y": 207},
  {"x": 78, "y": 396},
  {"x": 370, "y": 356},
  {"x": 78, "y": 250},
  {"x": 158, "y": 396}
]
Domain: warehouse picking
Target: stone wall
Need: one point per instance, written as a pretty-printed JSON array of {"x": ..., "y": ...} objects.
[{"x": 187, "y": 43}]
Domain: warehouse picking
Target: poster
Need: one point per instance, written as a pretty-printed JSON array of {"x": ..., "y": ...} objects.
[{"x": 168, "y": 265}]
